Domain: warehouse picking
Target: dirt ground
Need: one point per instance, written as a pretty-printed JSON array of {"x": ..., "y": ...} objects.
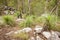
[{"x": 5, "y": 30}]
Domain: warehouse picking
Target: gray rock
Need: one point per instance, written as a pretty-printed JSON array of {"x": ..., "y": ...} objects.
[
  {"x": 58, "y": 33},
  {"x": 38, "y": 29},
  {"x": 32, "y": 38},
  {"x": 11, "y": 12},
  {"x": 19, "y": 31},
  {"x": 38, "y": 38},
  {"x": 6, "y": 12},
  {"x": 51, "y": 35},
  {"x": 10, "y": 33},
  {"x": 47, "y": 34},
  {"x": 54, "y": 36}
]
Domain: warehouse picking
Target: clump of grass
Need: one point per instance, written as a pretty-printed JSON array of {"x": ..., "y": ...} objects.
[
  {"x": 39, "y": 20},
  {"x": 50, "y": 21},
  {"x": 29, "y": 22},
  {"x": 9, "y": 20}
]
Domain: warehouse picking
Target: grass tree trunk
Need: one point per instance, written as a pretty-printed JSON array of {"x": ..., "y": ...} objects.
[
  {"x": 57, "y": 9},
  {"x": 18, "y": 2},
  {"x": 5, "y": 2},
  {"x": 18, "y": 8},
  {"x": 29, "y": 7},
  {"x": 46, "y": 6},
  {"x": 23, "y": 8}
]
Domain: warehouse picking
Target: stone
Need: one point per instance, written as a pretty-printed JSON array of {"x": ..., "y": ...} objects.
[
  {"x": 11, "y": 12},
  {"x": 18, "y": 31},
  {"x": 44, "y": 15},
  {"x": 6, "y": 12},
  {"x": 38, "y": 38},
  {"x": 38, "y": 29},
  {"x": 54, "y": 36},
  {"x": 20, "y": 20},
  {"x": 32, "y": 38},
  {"x": 47, "y": 34},
  {"x": 51, "y": 35},
  {"x": 27, "y": 29},
  {"x": 58, "y": 33},
  {"x": 11, "y": 32}
]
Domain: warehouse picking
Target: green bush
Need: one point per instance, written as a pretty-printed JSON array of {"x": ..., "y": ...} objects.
[
  {"x": 50, "y": 21},
  {"x": 29, "y": 22},
  {"x": 9, "y": 20},
  {"x": 39, "y": 20}
]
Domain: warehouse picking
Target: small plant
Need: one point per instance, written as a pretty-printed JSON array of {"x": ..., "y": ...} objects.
[
  {"x": 50, "y": 22},
  {"x": 39, "y": 20},
  {"x": 9, "y": 20},
  {"x": 29, "y": 22}
]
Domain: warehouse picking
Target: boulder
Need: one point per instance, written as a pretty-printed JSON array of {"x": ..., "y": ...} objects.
[
  {"x": 58, "y": 33},
  {"x": 46, "y": 34},
  {"x": 51, "y": 35},
  {"x": 6, "y": 12},
  {"x": 38, "y": 29},
  {"x": 19, "y": 31},
  {"x": 19, "y": 20},
  {"x": 9, "y": 33},
  {"x": 27, "y": 29},
  {"x": 54, "y": 36}
]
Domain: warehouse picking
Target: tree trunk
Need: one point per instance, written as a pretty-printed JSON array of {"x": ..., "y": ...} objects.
[
  {"x": 23, "y": 8},
  {"x": 56, "y": 10},
  {"x": 5, "y": 3},
  {"x": 46, "y": 6},
  {"x": 18, "y": 8},
  {"x": 29, "y": 7}
]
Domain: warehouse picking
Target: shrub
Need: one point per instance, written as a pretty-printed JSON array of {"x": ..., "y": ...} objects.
[
  {"x": 9, "y": 20},
  {"x": 29, "y": 22},
  {"x": 39, "y": 20},
  {"x": 50, "y": 21}
]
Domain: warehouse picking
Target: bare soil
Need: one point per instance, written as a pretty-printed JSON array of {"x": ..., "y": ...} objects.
[{"x": 5, "y": 30}]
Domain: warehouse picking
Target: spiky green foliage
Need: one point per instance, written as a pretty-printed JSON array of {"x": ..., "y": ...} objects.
[
  {"x": 9, "y": 20},
  {"x": 50, "y": 22},
  {"x": 29, "y": 22}
]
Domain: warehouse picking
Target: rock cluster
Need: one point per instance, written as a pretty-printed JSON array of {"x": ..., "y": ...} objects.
[{"x": 39, "y": 34}]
